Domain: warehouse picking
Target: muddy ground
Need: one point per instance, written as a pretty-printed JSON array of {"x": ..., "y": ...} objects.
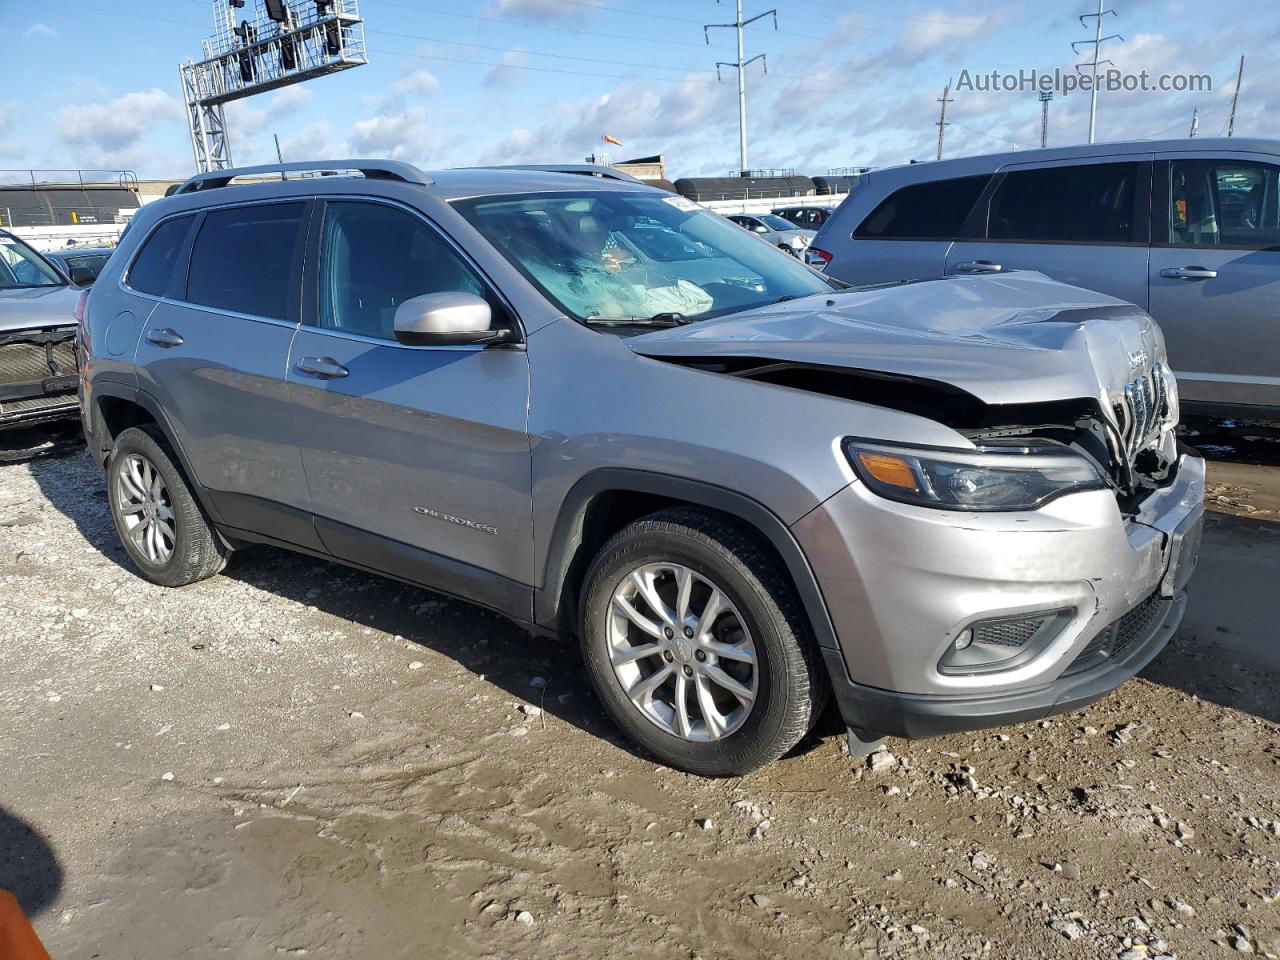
[{"x": 294, "y": 759}]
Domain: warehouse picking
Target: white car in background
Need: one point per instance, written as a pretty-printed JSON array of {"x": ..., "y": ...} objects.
[{"x": 781, "y": 233}]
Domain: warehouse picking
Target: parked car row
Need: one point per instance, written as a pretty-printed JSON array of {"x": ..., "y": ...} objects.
[
  {"x": 745, "y": 487},
  {"x": 1187, "y": 229},
  {"x": 781, "y": 233}
]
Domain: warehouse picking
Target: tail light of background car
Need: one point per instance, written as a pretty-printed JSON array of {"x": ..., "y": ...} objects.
[
  {"x": 817, "y": 257},
  {"x": 82, "y": 307}
]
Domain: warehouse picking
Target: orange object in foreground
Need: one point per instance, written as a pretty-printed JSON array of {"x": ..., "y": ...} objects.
[{"x": 18, "y": 941}]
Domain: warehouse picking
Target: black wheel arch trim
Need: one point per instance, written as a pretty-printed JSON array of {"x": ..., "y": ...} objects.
[
  {"x": 550, "y": 599},
  {"x": 140, "y": 398}
]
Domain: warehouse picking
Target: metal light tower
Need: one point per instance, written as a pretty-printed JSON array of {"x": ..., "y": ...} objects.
[
  {"x": 281, "y": 42},
  {"x": 741, "y": 66},
  {"x": 1045, "y": 97}
]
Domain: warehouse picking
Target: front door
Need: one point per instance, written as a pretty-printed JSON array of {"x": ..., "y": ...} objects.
[
  {"x": 1215, "y": 276},
  {"x": 417, "y": 457}
]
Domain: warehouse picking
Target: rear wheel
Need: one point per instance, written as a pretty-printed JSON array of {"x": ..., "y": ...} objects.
[
  {"x": 160, "y": 524},
  {"x": 696, "y": 644}
]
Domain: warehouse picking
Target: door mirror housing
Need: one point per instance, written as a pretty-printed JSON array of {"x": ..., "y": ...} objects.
[
  {"x": 82, "y": 276},
  {"x": 760, "y": 229},
  {"x": 450, "y": 319}
]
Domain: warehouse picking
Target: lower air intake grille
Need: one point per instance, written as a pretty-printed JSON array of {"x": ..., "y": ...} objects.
[
  {"x": 1007, "y": 633},
  {"x": 1134, "y": 627}
]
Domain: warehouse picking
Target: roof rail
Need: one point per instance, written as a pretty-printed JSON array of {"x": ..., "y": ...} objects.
[
  {"x": 372, "y": 169},
  {"x": 584, "y": 169}
]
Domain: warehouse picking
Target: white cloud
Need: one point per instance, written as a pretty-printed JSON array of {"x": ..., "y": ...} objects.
[
  {"x": 419, "y": 82},
  {"x": 503, "y": 76},
  {"x": 312, "y": 142},
  {"x": 110, "y": 133},
  {"x": 399, "y": 135},
  {"x": 8, "y": 125},
  {"x": 40, "y": 30},
  {"x": 288, "y": 100},
  {"x": 542, "y": 9}
]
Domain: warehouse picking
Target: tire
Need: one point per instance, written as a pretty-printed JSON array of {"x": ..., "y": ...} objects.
[
  {"x": 190, "y": 550},
  {"x": 760, "y": 613}
]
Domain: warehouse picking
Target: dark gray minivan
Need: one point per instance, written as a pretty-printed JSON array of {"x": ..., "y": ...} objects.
[{"x": 1189, "y": 230}]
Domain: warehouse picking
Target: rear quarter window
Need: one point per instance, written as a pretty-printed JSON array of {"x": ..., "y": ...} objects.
[
  {"x": 153, "y": 269},
  {"x": 924, "y": 211}
]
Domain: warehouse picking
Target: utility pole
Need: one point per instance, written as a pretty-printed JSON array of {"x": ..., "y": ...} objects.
[
  {"x": 741, "y": 66},
  {"x": 1045, "y": 97},
  {"x": 942, "y": 119},
  {"x": 1097, "y": 42},
  {"x": 1235, "y": 98},
  {"x": 1195, "y": 121}
]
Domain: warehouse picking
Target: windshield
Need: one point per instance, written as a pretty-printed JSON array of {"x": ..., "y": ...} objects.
[
  {"x": 777, "y": 222},
  {"x": 619, "y": 255},
  {"x": 20, "y": 266},
  {"x": 93, "y": 262}
]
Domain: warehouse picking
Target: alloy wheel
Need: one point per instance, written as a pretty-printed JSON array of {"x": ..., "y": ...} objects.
[
  {"x": 146, "y": 512},
  {"x": 681, "y": 652}
]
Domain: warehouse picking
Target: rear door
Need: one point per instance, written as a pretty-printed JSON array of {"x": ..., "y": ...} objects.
[
  {"x": 1215, "y": 275},
  {"x": 417, "y": 457},
  {"x": 213, "y": 353},
  {"x": 1082, "y": 222},
  {"x": 907, "y": 235}
]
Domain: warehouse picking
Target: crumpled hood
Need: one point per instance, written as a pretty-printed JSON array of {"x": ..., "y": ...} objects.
[
  {"x": 26, "y": 307},
  {"x": 1013, "y": 338}
]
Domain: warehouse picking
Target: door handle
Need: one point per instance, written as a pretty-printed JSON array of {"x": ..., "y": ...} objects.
[
  {"x": 325, "y": 367},
  {"x": 979, "y": 266},
  {"x": 1188, "y": 273},
  {"x": 165, "y": 337}
]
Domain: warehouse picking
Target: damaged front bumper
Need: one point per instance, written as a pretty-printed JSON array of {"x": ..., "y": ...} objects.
[
  {"x": 1082, "y": 597},
  {"x": 38, "y": 376}
]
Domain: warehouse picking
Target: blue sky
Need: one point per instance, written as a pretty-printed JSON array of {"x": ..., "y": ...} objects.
[{"x": 458, "y": 82}]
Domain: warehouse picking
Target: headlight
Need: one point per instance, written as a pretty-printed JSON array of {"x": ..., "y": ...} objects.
[{"x": 987, "y": 479}]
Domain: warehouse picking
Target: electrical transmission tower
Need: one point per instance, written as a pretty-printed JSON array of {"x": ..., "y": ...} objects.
[
  {"x": 1097, "y": 42},
  {"x": 942, "y": 118},
  {"x": 1235, "y": 99},
  {"x": 741, "y": 66}
]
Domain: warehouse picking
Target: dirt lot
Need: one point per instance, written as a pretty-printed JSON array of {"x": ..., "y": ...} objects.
[{"x": 294, "y": 759}]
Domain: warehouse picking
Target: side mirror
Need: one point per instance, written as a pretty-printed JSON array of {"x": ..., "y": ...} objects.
[
  {"x": 450, "y": 319},
  {"x": 761, "y": 229},
  {"x": 82, "y": 276}
]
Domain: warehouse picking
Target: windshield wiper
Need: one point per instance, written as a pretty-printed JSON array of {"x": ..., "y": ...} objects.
[{"x": 657, "y": 320}]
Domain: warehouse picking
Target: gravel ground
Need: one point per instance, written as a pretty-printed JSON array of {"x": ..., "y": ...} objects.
[{"x": 294, "y": 759}]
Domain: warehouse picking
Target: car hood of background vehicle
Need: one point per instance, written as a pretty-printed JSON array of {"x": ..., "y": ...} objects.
[
  {"x": 1014, "y": 338},
  {"x": 22, "y": 308}
]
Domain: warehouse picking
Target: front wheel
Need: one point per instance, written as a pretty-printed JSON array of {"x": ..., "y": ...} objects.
[
  {"x": 696, "y": 643},
  {"x": 160, "y": 524}
]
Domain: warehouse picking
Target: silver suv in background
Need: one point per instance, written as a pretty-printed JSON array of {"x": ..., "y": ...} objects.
[
  {"x": 37, "y": 329},
  {"x": 604, "y": 412},
  {"x": 1186, "y": 229}
]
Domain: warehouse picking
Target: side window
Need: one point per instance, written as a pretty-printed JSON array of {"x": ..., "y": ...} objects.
[
  {"x": 924, "y": 211},
  {"x": 1082, "y": 204},
  {"x": 1232, "y": 203},
  {"x": 243, "y": 259},
  {"x": 374, "y": 257},
  {"x": 153, "y": 268}
]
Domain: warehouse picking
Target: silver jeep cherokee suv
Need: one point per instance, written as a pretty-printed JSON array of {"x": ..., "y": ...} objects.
[{"x": 603, "y": 411}]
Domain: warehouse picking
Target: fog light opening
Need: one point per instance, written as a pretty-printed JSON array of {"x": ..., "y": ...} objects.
[{"x": 964, "y": 640}]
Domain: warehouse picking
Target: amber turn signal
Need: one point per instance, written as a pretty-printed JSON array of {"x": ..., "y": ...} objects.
[{"x": 889, "y": 469}]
